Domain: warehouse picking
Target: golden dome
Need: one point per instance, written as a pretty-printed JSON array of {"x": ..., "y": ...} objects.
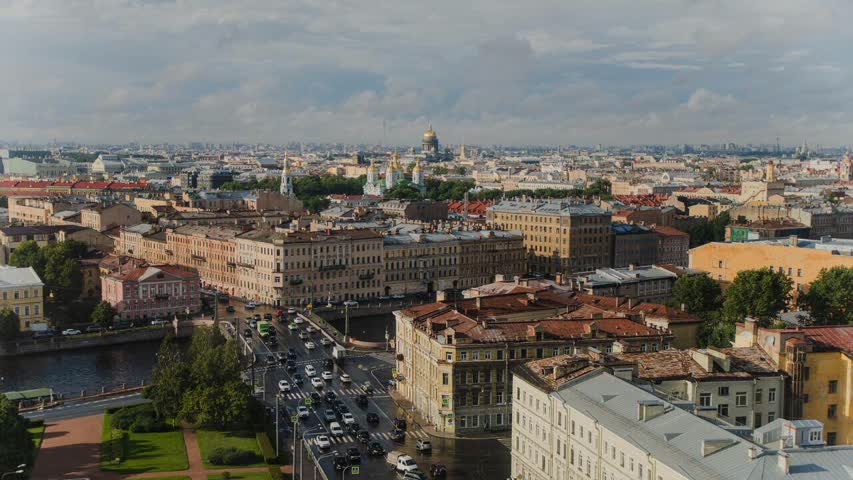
[
  {"x": 417, "y": 165},
  {"x": 430, "y": 133},
  {"x": 372, "y": 165}
]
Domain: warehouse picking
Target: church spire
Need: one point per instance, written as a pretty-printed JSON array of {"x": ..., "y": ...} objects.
[{"x": 286, "y": 187}]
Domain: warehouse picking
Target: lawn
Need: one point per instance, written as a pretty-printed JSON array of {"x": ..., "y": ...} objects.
[
  {"x": 236, "y": 475},
  {"x": 147, "y": 452},
  {"x": 210, "y": 440},
  {"x": 37, "y": 432},
  {"x": 177, "y": 477}
]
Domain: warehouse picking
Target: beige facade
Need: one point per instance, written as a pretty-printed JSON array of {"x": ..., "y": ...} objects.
[
  {"x": 210, "y": 250},
  {"x": 104, "y": 218},
  {"x": 22, "y": 291},
  {"x": 33, "y": 211}
]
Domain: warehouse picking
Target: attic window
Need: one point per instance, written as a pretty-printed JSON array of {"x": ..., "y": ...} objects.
[{"x": 160, "y": 275}]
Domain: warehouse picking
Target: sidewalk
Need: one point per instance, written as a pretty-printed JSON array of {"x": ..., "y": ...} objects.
[{"x": 418, "y": 420}]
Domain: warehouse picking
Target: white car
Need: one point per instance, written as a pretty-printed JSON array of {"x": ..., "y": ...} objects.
[
  {"x": 317, "y": 382},
  {"x": 310, "y": 345},
  {"x": 71, "y": 332},
  {"x": 398, "y": 296},
  {"x": 323, "y": 442},
  {"x": 310, "y": 329},
  {"x": 310, "y": 371},
  {"x": 302, "y": 411},
  {"x": 291, "y": 311},
  {"x": 347, "y": 418},
  {"x": 335, "y": 429},
  {"x": 406, "y": 463},
  {"x": 292, "y": 327},
  {"x": 327, "y": 375},
  {"x": 298, "y": 321},
  {"x": 283, "y": 386},
  {"x": 303, "y": 335},
  {"x": 325, "y": 342},
  {"x": 351, "y": 303},
  {"x": 345, "y": 378}
]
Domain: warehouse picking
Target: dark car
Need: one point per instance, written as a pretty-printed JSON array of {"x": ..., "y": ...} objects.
[
  {"x": 363, "y": 436},
  {"x": 267, "y": 316},
  {"x": 372, "y": 418},
  {"x": 329, "y": 415},
  {"x": 247, "y": 333},
  {"x": 94, "y": 329},
  {"x": 342, "y": 409},
  {"x": 438, "y": 471},
  {"x": 354, "y": 456},
  {"x": 328, "y": 364},
  {"x": 229, "y": 309},
  {"x": 298, "y": 378},
  {"x": 292, "y": 355},
  {"x": 375, "y": 449},
  {"x": 399, "y": 424},
  {"x": 353, "y": 428},
  {"x": 291, "y": 366},
  {"x": 44, "y": 334},
  {"x": 280, "y": 356},
  {"x": 361, "y": 401},
  {"x": 330, "y": 397},
  {"x": 315, "y": 397},
  {"x": 256, "y": 316},
  {"x": 341, "y": 463},
  {"x": 398, "y": 435}
]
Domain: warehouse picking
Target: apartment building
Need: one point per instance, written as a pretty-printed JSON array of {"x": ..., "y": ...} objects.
[
  {"x": 146, "y": 293},
  {"x": 574, "y": 421},
  {"x": 433, "y": 261},
  {"x": 209, "y": 250},
  {"x": 819, "y": 364},
  {"x": 43, "y": 235},
  {"x": 560, "y": 236},
  {"x": 673, "y": 246},
  {"x": 802, "y": 260},
  {"x": 633, "y": 245},
  {"x": 260, "y": 256},
  {"x": 644, "y": 283},
  {"x": 454, "y": 358},
  {"x": 22, "y": 291},
  {"x": 105, "y": 217}
]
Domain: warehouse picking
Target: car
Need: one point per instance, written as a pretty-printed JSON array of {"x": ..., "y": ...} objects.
[
  {"x": 315, "y": 397},
  {"x": 297, "y": 378},
  {"x": 267, "y": 316},
  {"x": 361, "y": 400},
  {"x": 292, "y": 327},
  {"x": 303, "y": 412},
  {"x": 335, "y": 429},
  {"x": 354, "y": 456},
  {"x": 392, "y": 383},
  {"x": 303, "y": 335},
  {"x": 372, "y": 418},
  {"x": 310, "y": 371},
  {"x": 329, "y": 415},
  {"x": 341, "y": 462},
  {"x": 384, "y": 297},
  {"x": 327, "y": 375},
  {"x": 298, "y": 321},
  {"x": 405, "y": 463},
  {"x": 44, "y": 334},
  {"x": 272, "y": 360},
  {"x": 69, "y": 332},
  {"x": 353, "y": 428},
  {"x": 398, "y": 296},
  {"x": 310, "y": 329},
  {"x": 159, "y": 322},
  {"x": 290, "y": 366},
  {"x": 316, "y": 382},
  {"x": 310, "y": 346},
  {"x": 367, "y": 387},
  {"x": 272, "y": 341},
  {"x": 291, "y": 311},
  {"x": 363, "y": 436},
  {"x": 400, "y": 424},
  {"x": 328, "y": 364},
  {"x": 94, "y": 329},
  {"x": 398, "y": 436},
  {"x": 253, "y": 323},
  {"x": 323, "y": 442},
  {"x": 347, "y": 418},
  {"x": 249, "y": 306},
  {"x": 291, "y": 351},
  {"x": 330, "y": 397},
  {"x": 325, "y": 342},
  {"x": 415, "y": 475},
  {"x": 351, "y": 303},
  {"x": 341, "y": 408},
  {"x": 256, "y": 317},
  {"x": 281, "y": 357},
  {"x": 283, "y": 386},
  {"x": 438, "y": 471},
  {"x": 247, "y": 333},
  {"x": 375, "y": 449},
  {"x": 230, "y": 309},
  {"x": 345, "y": 378},
  {"x": 423, "y": 446}
]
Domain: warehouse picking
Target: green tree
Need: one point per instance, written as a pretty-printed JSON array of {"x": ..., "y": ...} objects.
[
  {"x": 171, "y": 380},
  {"x": 715, "y": 331},
  {"x": 760, "y": 294},
  {"x": 460, "y": 170},
  {"x": 830, "y": 297},
  {"x": 698, "y": 293},
  {"x": 709, "y": 231},
  {"x": 439, "y": 170},
  {"x": 16, "y": 446},
  {"x": 103, "y": 315},
  {"x": 600, "y": 187},
  {"x": 28, "y": 254},
  {"x": 403, "y": 191},
  {"x": 9, "y": 324}
]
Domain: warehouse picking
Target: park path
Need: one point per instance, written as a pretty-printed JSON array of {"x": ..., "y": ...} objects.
[{"x": 71, "y": 449}]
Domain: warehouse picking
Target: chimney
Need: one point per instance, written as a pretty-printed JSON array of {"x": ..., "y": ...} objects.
[
  {"x": 531, "y": 297},
  {"x": 479, "y": 303},
  {"x": 630, "y": 303},
  {"x": 632, "y": 267},
  {"x": 752, "y": 453},
  {"x": 793, "y": 240},
  {"x": 516, "y": 279},
  {"x": 784, "y": 462},
  {"x": 499, "y": 277},
  {"x": 558, "y": 278}
]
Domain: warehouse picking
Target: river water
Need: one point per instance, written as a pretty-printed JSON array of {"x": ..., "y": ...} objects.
[{"x": 90, "y": 369}]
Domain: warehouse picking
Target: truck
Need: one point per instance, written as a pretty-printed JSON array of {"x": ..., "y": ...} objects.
[
  {"x": 264, "y": 328},
  {"x": 339, "y": 353}
]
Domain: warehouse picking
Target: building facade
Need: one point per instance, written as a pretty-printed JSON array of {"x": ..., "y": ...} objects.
[
  {"x": 151, "y": 292},
  {"x": 22, "y": 291}
]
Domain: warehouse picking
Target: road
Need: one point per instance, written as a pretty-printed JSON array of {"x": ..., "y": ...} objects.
[
  {"x": 81, "y": 409},
  {"x": 473, "y": 459}
]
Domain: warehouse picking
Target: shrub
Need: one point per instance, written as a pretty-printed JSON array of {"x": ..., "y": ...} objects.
[
  {"x": 275, "y": 473},
  {"x": 267, "y": 450},
  {"x": 144, "y": 424},
  {"x": 112, "y": 449},
  {"x": 232, "y": 456},
  {"x": 138, "y": 418}
]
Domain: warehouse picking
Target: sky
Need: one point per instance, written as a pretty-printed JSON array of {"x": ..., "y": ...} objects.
[{"x": 377, "y": 71}]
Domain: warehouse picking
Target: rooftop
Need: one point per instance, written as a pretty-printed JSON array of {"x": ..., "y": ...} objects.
[
  {"x": 18, "y": 277},
  {"x": 745, "y": 363},
  {"x": 549, "y": 207}
]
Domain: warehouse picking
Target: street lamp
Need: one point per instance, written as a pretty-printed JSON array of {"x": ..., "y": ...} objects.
[
  {"x": 320, "y": 458},
  {"x": 301, "y": 445}
]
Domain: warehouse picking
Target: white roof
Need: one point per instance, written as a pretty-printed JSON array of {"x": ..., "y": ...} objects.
[{"x": 19, "y": 277}]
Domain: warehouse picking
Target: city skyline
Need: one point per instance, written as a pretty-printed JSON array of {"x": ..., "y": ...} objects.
[{"x": 496, "y": 73}]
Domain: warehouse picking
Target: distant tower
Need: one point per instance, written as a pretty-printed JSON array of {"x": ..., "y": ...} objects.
[
  {"x": 286, "y": 187},
  {"x": 373, "y": 186},
  {"x": 462, "y": 155},
  {"x": 845, "y": 172},
  {"x": 771, "y": 172},
  {"x": 392, "y": 174},
  {"x": 429, "y": 145},
  {"x": 418, "y": 176}
]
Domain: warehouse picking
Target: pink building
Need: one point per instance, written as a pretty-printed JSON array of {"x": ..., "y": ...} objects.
[{"x": 161, "y": 291}]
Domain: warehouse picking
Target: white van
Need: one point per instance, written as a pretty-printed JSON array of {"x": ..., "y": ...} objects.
[{"x": 310, "y": 371}]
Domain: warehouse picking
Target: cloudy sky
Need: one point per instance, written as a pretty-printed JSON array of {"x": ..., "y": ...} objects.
[{"x": 483, "y": 71}]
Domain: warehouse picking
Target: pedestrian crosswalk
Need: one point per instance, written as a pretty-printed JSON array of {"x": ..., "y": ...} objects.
[
  {"x": 344, "y": 391},
  {"x": 342, "y": 439}
]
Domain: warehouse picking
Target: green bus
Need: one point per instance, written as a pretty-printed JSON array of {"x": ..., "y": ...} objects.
[{"x": 264, "y": 328}]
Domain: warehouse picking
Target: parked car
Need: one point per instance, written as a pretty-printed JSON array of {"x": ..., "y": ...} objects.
[
  {"x": 325, "y": 342},
  {"x": 159, "y": 322},
  {"x": 94, "y": 329},
  {"x": 44, "y": 334},
  {"x": 310, "y": 329},
  {"x": 327, "y": 375},
  {"x": 323, "y": 442},
  {"x": 372, "y": 418},
  {"x": 423, "y": 446},
  {"x": 335, "y": 429},
  {"x": 351, "y": 303},
  {"x": 70, "y": 332}
]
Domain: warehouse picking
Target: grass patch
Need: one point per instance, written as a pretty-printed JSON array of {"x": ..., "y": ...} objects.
[
  {"x": 210, "y": 440},
  {"x": 236, "y": 475},
  {"x": 37, "y": 431},
  {"x": 145, "y": 452},
  {"x": 176, "y": 477}
]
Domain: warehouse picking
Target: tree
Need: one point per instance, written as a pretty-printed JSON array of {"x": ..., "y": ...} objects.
[
  {"x": 16, "y": 447},
  {"x": 171, "y": 380},
  {"x": 698, "y": 293},
  {"x": 403, "y": 191},
  {"x": 28, "y": 254},
  {"x": 715, "y": 332},
  {"x": 57, "y": 264},
  {"x": 830, "y": 297},
  {"x": 103, "y": 315},
  {"x": 760, "y": 294},
  {"x": 9, "y": 324},
  {"x": 439, "y": 170}
]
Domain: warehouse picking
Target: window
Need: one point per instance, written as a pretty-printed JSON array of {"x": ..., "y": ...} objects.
[
  {"x": 740, "y": 421},
  {"x": 499, "y": 397},
  {"x": 771, "y": 394},
  {"x": 445, "y": 378},
  {"x": 740, "y": 399},
  {"x": 833, "y": 386},
  {"x": 640, "y": 470},
  {"x": 771, "y": 416},
  {"x": 463, "y": 355},
  {"x": 831, "y": 438},
  {"x": 832, "y": 411},
  {"x": 573, "y": 427},
  {"x": 723, "y": 391},
  {"x": 723, "y": 409},
  {"x": 756, "y": 420},
  {"x": 500, "y": 354},
  {"x": 499, "y": 419},
  {"x": 814, "y": 436},
  {"x": 448, "y": 356},
  {"x": 806, "y": 373},
  {"x": 758, "y": 395},
  {"x": 705, "y": 399},
  {"x": 622, "y": 459}
]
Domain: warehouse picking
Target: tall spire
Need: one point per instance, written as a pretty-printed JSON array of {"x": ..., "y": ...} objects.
[{"x": 286, "y": 187}]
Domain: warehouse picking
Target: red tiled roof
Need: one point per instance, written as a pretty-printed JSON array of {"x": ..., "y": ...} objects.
[
  {"x": 669, "y": 231},
  {"x": 136, "y": 273},
  {"x": 8, "y": 183},
  {"x": 646, "y": 200},
  {"x": 92, "y": 185},
  {"x": 834, "y": 337},
  {"x": 127, "y": 186}
]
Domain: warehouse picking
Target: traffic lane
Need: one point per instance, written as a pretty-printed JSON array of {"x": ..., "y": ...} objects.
[{"x": 82, "y": 409}]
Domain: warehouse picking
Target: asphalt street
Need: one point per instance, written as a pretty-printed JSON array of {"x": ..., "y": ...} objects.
[{"x": 81, "y": 409}]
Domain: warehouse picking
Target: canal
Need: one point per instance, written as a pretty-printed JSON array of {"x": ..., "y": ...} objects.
[{"x": 68, "y": 372}]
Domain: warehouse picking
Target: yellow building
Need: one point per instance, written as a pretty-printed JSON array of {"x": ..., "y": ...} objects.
[
  {"x": 819, "y": 362},
  {"x": 22, "y": 291},
  {"x": 802, "y": 260}
]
